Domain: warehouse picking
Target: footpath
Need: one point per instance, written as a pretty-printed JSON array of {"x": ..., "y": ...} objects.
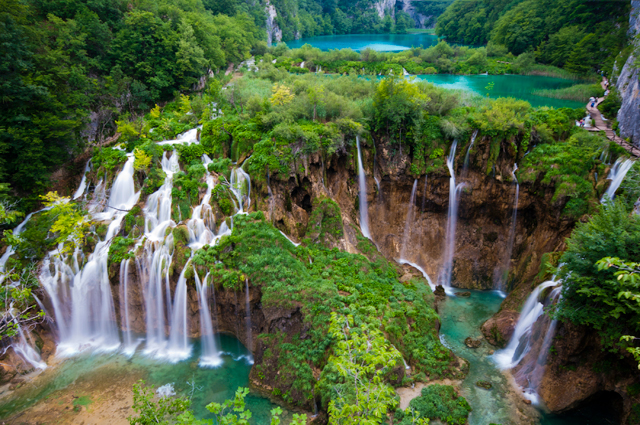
[{"x": 599, "y": 124}]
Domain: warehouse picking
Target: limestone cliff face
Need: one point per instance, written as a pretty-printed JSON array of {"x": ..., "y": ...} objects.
[
  {"x": 274, "y": 33},
  {"x": 485, "y": 214},
  {"x": 628, "y": 85},
  {"x": 389, "y": 6}
]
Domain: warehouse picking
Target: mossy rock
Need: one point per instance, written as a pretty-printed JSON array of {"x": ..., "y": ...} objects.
[
  {"x": 484, "y": 384},
  {"x": 325, "y": 224},
  {"x": 181, "y": 235}
]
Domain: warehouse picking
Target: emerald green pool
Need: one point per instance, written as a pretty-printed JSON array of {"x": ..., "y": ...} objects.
[{"x": 517, "y": 86}]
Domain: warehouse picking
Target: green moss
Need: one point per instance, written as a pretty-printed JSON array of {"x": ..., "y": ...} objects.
[
  {"x": 325, "y": 223},
  {"x": 133, "y": 218},
  {"x": 119, "y": 250},
  {"x": 155, "y": 179}
]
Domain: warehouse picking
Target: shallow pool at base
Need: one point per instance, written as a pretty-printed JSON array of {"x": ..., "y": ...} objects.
[{"x": 203, "y": 385}]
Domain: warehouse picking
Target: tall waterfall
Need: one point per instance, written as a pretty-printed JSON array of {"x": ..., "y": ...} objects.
[
  {"x": 179, "y": 347},
  {"x": 504, "y": 273},
  {"x": 83, "y": 183},
  {"x": 452, "y": 219},
  {"x": 24, "y": 348},
  {"x": 86, "y": 293},
  {"x": 616, "y": 175},
  {"x": 521, "y": 341},
  {"x": 129, "y": 346},
  {"x": 364, "y": 209},
  {"x": 408, "y": 221},
  {"x": 210, "y": 354}
]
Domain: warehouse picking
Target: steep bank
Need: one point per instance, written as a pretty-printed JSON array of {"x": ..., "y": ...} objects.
[{"x": 628, "y": 84}]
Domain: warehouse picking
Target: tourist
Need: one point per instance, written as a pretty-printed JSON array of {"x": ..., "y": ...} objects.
[{"x": 606, "y": 93}]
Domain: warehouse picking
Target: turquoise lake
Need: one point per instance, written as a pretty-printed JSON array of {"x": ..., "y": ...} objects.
[{"x": 379, "y": 42}]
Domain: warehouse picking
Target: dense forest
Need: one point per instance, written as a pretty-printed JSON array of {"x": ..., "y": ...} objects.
[{"x": 582, "y": 36}]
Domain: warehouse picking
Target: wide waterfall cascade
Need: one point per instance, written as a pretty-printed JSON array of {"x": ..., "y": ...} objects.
[
  {"x": 504, "y": 273},
  {"x": 81, "y": 297},
  {"x": 520, "y": 342},
  {"x": 616, "y": 175},
  {"x": 466, "y": 157},
  {"x": 452, "y": 220},
  {"x": 408, "y": 221},
  {"x": 210, "y": 353},
  {"x": 248, "y": 315},
  {"x": 362, "y": 196}
]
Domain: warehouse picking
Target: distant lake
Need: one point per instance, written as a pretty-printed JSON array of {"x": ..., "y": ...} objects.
[
  {"x": 518, "y": 86},
  {"x": 379, "y": 42}
]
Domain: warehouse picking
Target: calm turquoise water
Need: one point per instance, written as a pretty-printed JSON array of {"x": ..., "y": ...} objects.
[
  {"x": 210, "y": 385},
  {"x": 379, "y": 42},
  {"x": 518, "y": 86}
]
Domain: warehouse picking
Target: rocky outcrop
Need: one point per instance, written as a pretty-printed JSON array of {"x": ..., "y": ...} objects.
[
  {"x": 499, "y": 329},
  {"x": 628, "y": 85},
  {"x": 274, "y": 33},
  {"x": 384, "y": 7},
  {"x": 579, "y": 371}
]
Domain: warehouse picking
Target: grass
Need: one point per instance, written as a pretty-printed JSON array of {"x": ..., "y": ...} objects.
[
  {"x": 578, "y": 92},
  {"x": 551, "y": 71}
]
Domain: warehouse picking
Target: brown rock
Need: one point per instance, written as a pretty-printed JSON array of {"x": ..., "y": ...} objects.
[
  {"x": 472, "y": 342},
  {"x": 498, "y": 329}
]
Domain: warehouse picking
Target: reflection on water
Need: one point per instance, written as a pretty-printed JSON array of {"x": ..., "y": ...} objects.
[{"x": 203, "y": 385}]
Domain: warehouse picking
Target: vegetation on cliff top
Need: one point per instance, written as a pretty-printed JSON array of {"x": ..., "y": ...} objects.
[{"x": 319, "y": 281}]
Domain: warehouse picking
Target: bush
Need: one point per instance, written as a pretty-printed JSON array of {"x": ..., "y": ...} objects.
[
  {"x": 590, "y": 296},
  {"x": 438, "y": 402},
  {"x": 611, "y": 105}
]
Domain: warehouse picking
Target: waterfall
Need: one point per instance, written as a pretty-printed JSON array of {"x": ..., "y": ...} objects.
[
  {"x": 129, "y": 346},
  {"x": 409, "y": 221},
  {"x": 178, "y": 347},
  {"x": 248, "y": 316},
  {"x": 521, "y": 342},
  {"x": 533, "y": 371},
  {"x": 25, "y": 350},
  {"x": 85, "y": 294},
  {"x": 502, "y": 280},
  {"x": 210, "y": 354},
  {"x": 80, "y": 291},
  {"x": 452, "y": 218},
  {"x": 241, "y": 188},
  {"x": 424, "y": 193},
  {"x": 466, "y": 157},
  {"x": 83, "y": 183},
  {"x": 302, "y": 64},
  {"x": 616, "y": 175},
  {"x": 404, "y": 72},
  {"x": 364, "y": 211},
  {"x": 202, "y": 221}
]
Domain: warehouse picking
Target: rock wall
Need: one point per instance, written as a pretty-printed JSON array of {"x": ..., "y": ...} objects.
[
  {"x": 274, "y": 33},
  {"x": 628, "y": 85},
  {"x": 382, "y": 6}
]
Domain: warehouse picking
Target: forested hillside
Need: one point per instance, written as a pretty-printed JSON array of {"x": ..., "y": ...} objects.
[
  {"x": 579, "y": 35},
  {"x": 65, "y": 63}
]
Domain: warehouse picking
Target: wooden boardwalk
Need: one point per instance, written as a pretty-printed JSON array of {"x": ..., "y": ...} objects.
[{"x": 601, "y": 125}]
